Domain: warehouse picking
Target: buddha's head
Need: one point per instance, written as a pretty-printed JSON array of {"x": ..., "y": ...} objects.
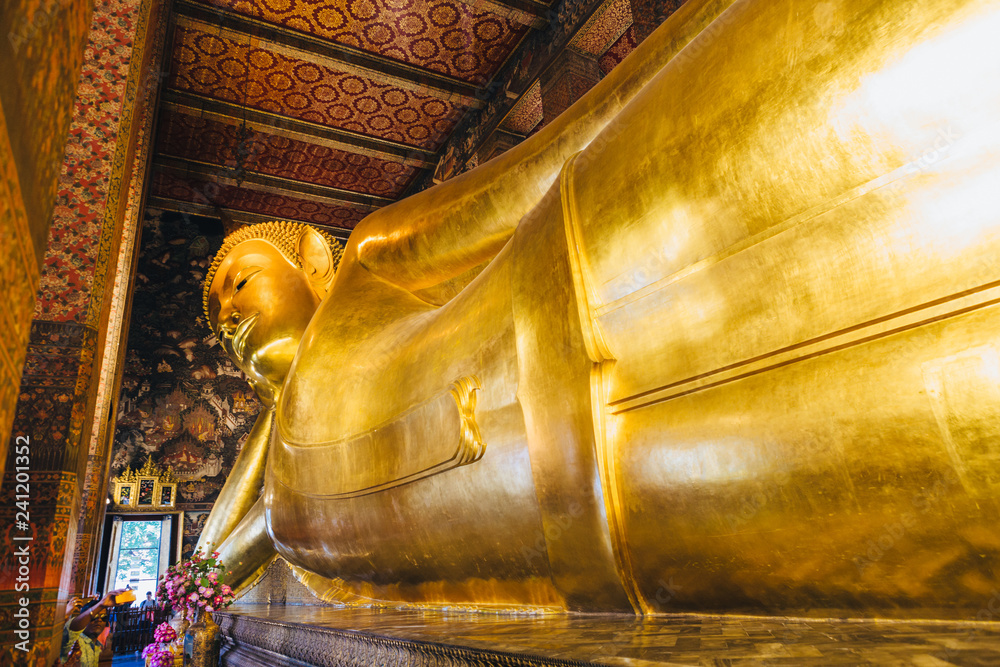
[{"x": 261, "y": 291}]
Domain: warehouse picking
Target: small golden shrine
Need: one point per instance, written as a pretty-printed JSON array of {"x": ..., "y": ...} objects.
[{"x": 150, "y": 488}]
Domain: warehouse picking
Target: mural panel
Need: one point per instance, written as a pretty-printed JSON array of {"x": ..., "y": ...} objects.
[{"x": 194, "y": 523}]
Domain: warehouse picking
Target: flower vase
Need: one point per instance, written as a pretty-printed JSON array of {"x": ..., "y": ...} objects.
[
  {"x": 180, "y": 625},
  {"x": 201, "y": 642}
]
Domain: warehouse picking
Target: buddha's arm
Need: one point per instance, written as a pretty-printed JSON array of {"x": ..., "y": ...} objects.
[
  {"x": 450, "y": 229},
  {"x": 243, "y": 485},
  {"x": 248, "y": 550}
]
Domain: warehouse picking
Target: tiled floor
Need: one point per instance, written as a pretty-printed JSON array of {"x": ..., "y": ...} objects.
[
  {"x": 677, "y": 640},
  {"x": 128, "y": 661}
]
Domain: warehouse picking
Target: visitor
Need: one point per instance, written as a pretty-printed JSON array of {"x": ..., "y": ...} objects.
[
  {"x": 86, "y": 631},
  {"x": 148, "y": 611}
]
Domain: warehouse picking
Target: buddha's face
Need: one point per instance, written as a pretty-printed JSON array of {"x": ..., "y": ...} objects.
[{"x": 260, "y": 304}]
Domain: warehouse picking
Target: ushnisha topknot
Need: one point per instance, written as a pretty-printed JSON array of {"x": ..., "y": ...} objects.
[{"x": 282, "y": 234}]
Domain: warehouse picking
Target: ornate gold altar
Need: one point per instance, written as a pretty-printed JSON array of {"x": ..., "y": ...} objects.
[
  {"x": 722, "y": 337},
  {"x": 150, "y": 488}
]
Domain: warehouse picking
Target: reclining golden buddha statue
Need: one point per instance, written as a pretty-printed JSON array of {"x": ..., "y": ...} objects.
[{"x": 721, "y": 337}]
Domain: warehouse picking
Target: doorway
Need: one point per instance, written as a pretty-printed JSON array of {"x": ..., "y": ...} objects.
[{"x": 140, "y": 551}]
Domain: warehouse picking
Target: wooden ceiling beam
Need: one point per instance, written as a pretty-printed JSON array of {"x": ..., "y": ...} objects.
[
  {"x": 244, "y": 217},
  {"x": 298, "y": 130},
  {"x": 287, "y": 187},
  {"x": 325, "y": 53},
  {"x": 526, "y": 12}
]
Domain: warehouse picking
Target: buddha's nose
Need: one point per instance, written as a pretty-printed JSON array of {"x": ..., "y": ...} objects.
[{"x": 229, "y": 319}]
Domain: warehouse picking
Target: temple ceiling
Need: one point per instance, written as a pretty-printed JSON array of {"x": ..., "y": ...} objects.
[
  {"x": 316, "y": 111},
  {"x": 322, "y": 112}
]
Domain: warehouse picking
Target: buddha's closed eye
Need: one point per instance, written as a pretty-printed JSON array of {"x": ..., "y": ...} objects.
[{"x": 242, "y": 280}]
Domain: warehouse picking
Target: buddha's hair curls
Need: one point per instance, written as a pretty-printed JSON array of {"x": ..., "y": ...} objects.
[{"x": 282, "y": 234}]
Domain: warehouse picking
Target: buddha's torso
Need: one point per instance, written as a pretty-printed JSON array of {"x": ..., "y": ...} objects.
[{"x": 760, "y": 340}]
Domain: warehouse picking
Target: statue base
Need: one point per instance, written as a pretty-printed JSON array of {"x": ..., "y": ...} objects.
[
  {"x": 279, "y": 623},
  {"x": 305, "y": 636}
]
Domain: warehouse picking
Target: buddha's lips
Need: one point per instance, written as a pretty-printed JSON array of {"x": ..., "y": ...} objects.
[{"x": 240, "y": 337}]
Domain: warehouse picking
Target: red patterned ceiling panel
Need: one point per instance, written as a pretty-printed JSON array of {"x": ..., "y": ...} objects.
[
  {"x": 445, "y": 36},
  {"x": 604, "y": 27},
  {"x": 624, "y": 46},
  {"x": 255, "y": 201},
  {"x": 186, "y": 136},
  {"x": 214, "y": 66},
  {"x": 527, "y": 113}
]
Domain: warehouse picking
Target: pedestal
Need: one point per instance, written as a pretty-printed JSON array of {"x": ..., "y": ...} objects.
[{"x": 280, "y": 624}]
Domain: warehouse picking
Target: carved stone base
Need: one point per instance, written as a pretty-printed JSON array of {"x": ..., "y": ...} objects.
[
  {"x": 278, "y": 586},
  {"x": 259, "y": 642},
  {"x": 313, "y": 636}
]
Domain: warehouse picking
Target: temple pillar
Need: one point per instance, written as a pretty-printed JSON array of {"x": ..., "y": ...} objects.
[
  {"x": 59, "y": 440},
  {"x": 41, "y": 56}
]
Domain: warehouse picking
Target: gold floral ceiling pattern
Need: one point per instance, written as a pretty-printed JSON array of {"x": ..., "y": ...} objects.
[
  {"x": 452, "y": 38},
  {"x": 213, "y": 66},
  {"x": 320, "y": 111}
]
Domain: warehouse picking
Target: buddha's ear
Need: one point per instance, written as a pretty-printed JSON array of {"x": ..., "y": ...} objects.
[{"x": 317, "y": 260}]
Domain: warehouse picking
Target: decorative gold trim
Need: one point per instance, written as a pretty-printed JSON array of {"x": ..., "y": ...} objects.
[
  {"x": 126, "y": 501},
  {"x": 163, "y": 479}
]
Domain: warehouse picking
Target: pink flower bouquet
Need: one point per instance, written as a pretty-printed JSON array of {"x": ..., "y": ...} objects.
[
  {"x": 157, "y": 655},
  {"x": 161, "y": 654},
  {"x": 196, "y": 583},
  {"x": 164, "y": 633}
]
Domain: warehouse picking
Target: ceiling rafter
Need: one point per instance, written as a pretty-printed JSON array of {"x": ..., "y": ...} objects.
[
  {"x": 325, "y": 53},
  {"x": 244, "y": 217},
  {"x": 265, "y": 183},
  {"x": 298, "y": 130},
  {"x": 526, "y": 12}
]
